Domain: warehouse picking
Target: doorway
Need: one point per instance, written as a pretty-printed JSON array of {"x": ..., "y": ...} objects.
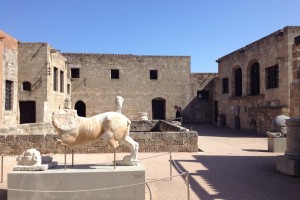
[
  {"x": 159, "y": 108},
  {"x": 81, "y": 108},
  {"x": 27, "y": 112}
]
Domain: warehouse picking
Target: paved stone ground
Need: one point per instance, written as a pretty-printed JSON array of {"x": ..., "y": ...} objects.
[{"x": 230, "y": 164}]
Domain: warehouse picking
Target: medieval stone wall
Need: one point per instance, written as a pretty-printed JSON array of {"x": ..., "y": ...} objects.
[
  {"x": 274, "y": 49},
  {"x": 98, "y": 91},
  {"x": 36, "y": 66},
  {"x": 295, "y": 85},
  {"x": 200, "y": 108},
  {"x": 42, "y": 136},
  {"x": 8, "y": 72}
]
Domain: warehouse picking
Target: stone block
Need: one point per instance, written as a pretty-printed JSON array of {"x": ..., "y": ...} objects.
[
  {"x": 86, "y": 182},
  {"x": 287, "y": 166},
  {"x": 276, "y": 144}
]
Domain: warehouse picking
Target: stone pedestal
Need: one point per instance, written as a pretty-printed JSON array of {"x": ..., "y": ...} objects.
[
  {"x": 88, "y": 182},
  {"x": 276, "y": 144},
  {"x": 287, "y": 166},
  {"x": 290, "y": 162}
]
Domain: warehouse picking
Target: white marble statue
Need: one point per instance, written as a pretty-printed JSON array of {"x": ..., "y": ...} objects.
[
  {"x": 30, "y": 160},
  {"x": 119, "y": 103},
  {"x": 111, "y": 126},
  {"x": 30, "y": 157},
  {"x": 278, "y": 127}
]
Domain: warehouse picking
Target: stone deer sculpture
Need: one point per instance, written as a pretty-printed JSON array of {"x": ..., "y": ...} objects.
[{"x": 113, "y": 127}]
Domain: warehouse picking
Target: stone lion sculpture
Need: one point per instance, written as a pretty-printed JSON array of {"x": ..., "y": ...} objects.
[
  {"x": 278, "y": 127},
  {"x": 113, "y": 127},
  {"x": 30, "y": 157}
]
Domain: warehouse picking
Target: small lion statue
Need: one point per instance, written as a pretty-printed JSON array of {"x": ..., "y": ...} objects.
[{"x": 30, "y": 157}]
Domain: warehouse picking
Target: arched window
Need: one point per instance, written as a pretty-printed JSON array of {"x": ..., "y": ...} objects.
[
  {"x": 254, "y": 79},
  {"x": 238, "y": 82},
  {"x": 26, "y": 86}
]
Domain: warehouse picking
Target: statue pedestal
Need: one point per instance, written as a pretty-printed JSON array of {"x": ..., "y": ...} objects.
[
  {"x": 276, "y": 144},
  {"x": 86, "y": 182},
  {"x": 288, "y": 166}
]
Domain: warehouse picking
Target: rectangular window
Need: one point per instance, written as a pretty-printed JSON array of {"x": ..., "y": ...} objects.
[
  {"x": 114, "y": 74},
  {"x": 55, "y": 76},
  {"x": 68, "y": 88},
  {"x": 75, "y": 73},
  {"x": 8, "y": 94},
  {"x": 272, "y": 77},
  {"x": 203, "y": 94},
  {"x": 225, "y": 88},
  {"x": 153, "y": 74},
  {"x": 61, "y": 78}
]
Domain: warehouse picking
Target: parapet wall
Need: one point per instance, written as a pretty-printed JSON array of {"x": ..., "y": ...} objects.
[{"x": 42, "y": 136}]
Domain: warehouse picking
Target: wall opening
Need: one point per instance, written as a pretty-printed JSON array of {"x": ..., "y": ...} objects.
[
  {"x": 238, "y": 82},
  {"x": 81, "y": 108},
  {"x": 254, "y": 79},
  {"x": 159, "y": 108},
  {"x": 27, "y": 112}
]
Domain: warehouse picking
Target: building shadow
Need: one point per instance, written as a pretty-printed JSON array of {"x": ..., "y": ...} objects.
[
  {"x": 240, "y": 177},
  {"x": 218, "y": 131}
]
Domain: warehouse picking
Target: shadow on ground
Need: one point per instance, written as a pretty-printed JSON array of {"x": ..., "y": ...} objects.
[
  {"x": 213, "y": 130},
  {"x": 241, "y": 177}
]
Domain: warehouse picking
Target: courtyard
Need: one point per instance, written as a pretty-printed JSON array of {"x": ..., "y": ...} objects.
[{"x": 230, "y": 164}]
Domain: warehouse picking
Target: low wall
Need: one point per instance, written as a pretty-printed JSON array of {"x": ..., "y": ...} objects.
[{"x": 14, "y": 141}]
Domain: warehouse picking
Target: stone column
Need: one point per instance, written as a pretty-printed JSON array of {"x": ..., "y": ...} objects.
[{"x": 290, "y": 162}]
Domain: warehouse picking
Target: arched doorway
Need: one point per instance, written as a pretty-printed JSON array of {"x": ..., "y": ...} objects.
[
  {"x": 81, "y": 108},
  {"x": 158, "y": 108}
]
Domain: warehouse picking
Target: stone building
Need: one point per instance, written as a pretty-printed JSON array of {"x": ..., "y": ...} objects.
[
  {"x": 152, "y": 84},
  {"x": 8, "y": 80},
  {"x": 34, "y": 81},
  {"x": 43, "y": 82},
  {"x": 254, "y": 81}
]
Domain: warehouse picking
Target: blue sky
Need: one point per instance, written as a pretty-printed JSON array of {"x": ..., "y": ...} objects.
[{"x": 202, "y": 29}]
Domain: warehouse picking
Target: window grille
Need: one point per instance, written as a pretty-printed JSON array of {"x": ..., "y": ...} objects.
[
  {"x": 272, "y": 77},
  {"x": 8, "y": 94}
]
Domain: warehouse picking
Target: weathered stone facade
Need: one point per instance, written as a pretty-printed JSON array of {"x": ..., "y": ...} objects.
[
  {"x": 254, "y": 82},
  {"x": 8, "y": 80},
  {"x": 97, "y": 89},
  {"x": 44, "y": 69},
  {"x": 295, "y": 85},
  {"x": 42, "y": 136},
  {"x": 200, "y": 107}
]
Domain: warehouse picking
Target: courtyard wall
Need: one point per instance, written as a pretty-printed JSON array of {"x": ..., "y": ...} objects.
[{"x": 237, "y": 111}]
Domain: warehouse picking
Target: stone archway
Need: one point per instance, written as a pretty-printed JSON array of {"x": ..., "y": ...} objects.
[
  {"x": 159, "y": 108},
  {"x": 81, "y": 108}
]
